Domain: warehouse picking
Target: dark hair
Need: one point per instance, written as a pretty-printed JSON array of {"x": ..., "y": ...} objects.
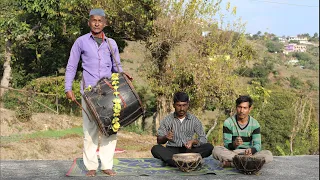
[
  {"x": 242, "y": 99},
  {"x": 180, "y": 97}
]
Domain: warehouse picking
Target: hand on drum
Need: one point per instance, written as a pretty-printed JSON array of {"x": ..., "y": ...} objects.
[
  {"x": 189, "y": 144},
  {"x": 70, "y": 95},
  {"x": 248, "y": 151},
  {"x": 237, "y": 142}
]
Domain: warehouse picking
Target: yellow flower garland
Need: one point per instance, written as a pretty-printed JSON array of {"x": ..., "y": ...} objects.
[{"x": 116, "y": 102}]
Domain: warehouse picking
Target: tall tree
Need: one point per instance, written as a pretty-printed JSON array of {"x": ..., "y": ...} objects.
[
  {"x": 11, "y": 27},
  {"x": 181, "y": 59},
  {"x": 42, "y": 33}
]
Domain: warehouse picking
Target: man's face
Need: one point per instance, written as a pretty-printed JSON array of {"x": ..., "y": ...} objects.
[
  {"x": 243, "y": 110},
  {"x": 181, "y": 108},
  {"x": 96, "y": 23}
]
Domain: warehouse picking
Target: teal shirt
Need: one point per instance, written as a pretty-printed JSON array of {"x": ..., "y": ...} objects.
[{"x": 250, "y": 134}]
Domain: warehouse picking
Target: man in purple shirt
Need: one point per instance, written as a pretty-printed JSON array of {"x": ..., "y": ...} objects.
[{"x": 97, "y": 62}]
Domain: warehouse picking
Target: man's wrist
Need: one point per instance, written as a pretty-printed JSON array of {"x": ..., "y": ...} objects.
[{"x": 195, "y": 142}]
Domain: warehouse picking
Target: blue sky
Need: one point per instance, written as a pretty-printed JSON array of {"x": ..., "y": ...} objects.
[{"x": 281, "y": 17}]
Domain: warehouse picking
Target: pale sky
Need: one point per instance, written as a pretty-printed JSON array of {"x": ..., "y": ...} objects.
[{"x": 281, "y": 17}]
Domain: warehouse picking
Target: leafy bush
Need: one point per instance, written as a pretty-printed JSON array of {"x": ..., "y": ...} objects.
[
  {"x": 274, "y": 46},
  {"x": 45, "y": 95},
  {"x": 295, "y": 82},
  {"x": 278, "y": 117}
]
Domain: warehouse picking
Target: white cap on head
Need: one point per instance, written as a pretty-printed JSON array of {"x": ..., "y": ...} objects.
[{"x": 98, "y": 12}]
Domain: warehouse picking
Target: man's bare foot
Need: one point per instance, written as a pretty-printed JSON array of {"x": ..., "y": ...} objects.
[
  {"x": 109, "y": 172},
  {"x": 91, "y": 173}
]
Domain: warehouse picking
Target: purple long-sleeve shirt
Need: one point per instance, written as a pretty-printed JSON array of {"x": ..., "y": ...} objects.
[{"x": 97, "y": 61}]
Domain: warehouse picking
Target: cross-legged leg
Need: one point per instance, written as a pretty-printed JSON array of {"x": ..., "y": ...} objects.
[
  {"x": 205, "y": 150},
  {"x": 165, "y": 153}
]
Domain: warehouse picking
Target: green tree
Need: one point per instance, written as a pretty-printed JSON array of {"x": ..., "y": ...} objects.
[
  {"x": 274, "y": 47},
  {"x": 39, "y": 34},
  {"x": 288, "y": 122},
  {"x": 315, "y": 35},
  {"x": 181, "y": 59}
]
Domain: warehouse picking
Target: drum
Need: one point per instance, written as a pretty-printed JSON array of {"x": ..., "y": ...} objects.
[
  {"x": 100, "y": 98},
  {"x": 248, "y": 164},
  {"x": 187, "y": 162}
]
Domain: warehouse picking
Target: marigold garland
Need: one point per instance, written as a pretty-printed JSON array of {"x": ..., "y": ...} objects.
[{"x": 116, "y": 102}]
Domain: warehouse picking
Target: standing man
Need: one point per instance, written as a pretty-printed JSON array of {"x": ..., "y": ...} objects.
[
  {"x": 241, "y": 135},
  {"x": 97, "y": 63},
  {"x": 177, "y": 131}
]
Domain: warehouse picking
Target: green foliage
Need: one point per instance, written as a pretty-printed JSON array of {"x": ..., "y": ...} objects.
[
  {"x": 309, "y": 59},
  {"x": 313, "y": 50},
  {"x": 131, "y": 20},
  {"x": 42, "y": 95},
  {"x": 24, "y": 112},
  {"x": 134, "y": 128},
  {"x": 294, "y": 41},
  {"x": 282, "y": 153},
  {"x": 295, "y": 82},
  {"x": 311, "y": 85},
  {"x": 43, "y": 134},
  {"x": 216, "y": 136},
  {"x": 274, "y": 46},
  {"x": 277, "y": 118},
  {"x": 181, "y": 59},
  {"x": 315, "y": 38},
  {"x": 148, "y": 99},
  {"x": 302, "y": 56},
  {"x": 42, "y": 32}
]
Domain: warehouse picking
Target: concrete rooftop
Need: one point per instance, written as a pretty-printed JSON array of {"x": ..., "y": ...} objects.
[{"x": 282, "y": 167}]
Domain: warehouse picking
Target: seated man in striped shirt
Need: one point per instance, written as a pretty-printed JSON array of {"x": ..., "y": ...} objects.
[
  {"x": 177, "y": 131},
  {"x": 241, "y": 135}
]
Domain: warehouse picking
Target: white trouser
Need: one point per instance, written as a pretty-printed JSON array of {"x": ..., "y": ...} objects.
[
  {"x": 91, "y": 141},
  {"x": 223, "y": 154}
]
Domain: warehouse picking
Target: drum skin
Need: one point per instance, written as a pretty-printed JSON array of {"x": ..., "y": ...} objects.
[
  {"x": 100, "y": 103},
  {"x": 187, "y": 162}
]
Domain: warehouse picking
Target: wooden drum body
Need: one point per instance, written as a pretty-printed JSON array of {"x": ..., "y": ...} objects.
[
  {"x": 248, "y": 164},
  {"x": 100, "y": 103},
  {"x": 187, "y": 162}
]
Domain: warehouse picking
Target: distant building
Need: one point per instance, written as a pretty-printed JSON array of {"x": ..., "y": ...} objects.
[
  {"x": 294, "y": 48},
  {"x": 281, "y": 39},
  {"x": 299, "y": 39},
  {"x": 300, "y": 48}
]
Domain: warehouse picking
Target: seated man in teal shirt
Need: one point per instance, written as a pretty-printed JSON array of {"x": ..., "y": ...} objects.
[{"x": 241, "y": 135}]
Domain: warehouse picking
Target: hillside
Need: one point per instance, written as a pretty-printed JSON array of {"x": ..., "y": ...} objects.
[
  {"x": 58, "y": 137},
  {"x": 47, "y": 131}
]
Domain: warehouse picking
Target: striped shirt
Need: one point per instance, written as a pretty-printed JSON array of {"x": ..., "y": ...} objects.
[
  {"x": 250, "y": 134},
  {"x": 183, "y": 131}
]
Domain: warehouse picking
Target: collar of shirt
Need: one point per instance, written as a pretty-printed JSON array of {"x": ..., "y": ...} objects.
[
  {"x": 186, "y": 118},
  {"x": 103, "y": 35}
]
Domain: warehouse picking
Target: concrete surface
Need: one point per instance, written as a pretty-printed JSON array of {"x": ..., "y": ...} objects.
[{"x": 282, "y": 167}]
